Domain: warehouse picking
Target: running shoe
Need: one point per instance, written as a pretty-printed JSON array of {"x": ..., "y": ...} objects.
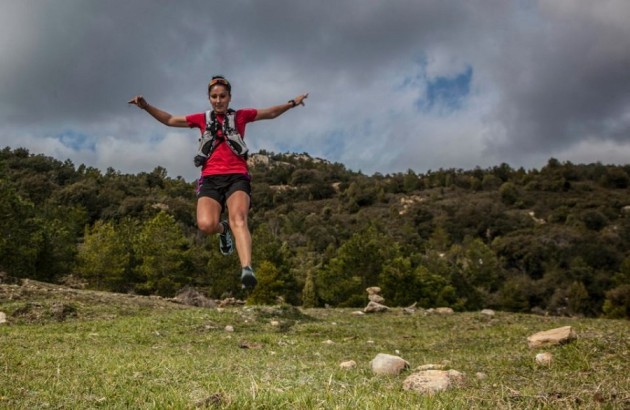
[
  {"x": 248, "y": 279},
  {"x": 226, "y": 244}
]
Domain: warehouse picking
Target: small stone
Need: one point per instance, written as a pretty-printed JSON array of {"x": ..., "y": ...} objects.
[
  {"x": 374, "y": 290},
  {"x": 274, "y": 323},
  {"x": 376, "y": 298},
  {"x": 481, "y": 376},
  {"x": 358, "y": 313},
  {"x": 328, "y": 342},
  {"x": 3, "y": 318},
  {"x": 229, "y": 328},
  {"x": 350, "y": 364},
  {"x": 544, "y": 359},
  {"x": 487, "y": 312},
  {"x": 388, "y": 364}
]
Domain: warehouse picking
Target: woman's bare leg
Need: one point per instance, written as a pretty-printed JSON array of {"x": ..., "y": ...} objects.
[
  {"x": 238, "y": 209},
  {"x": 208, "y": 216}
]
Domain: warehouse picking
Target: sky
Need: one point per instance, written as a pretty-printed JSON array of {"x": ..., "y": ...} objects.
[{"x": 393, "y": 85}]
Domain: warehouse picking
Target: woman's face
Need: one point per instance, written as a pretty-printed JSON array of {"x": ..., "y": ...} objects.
[{"x": 219, "y": 98}]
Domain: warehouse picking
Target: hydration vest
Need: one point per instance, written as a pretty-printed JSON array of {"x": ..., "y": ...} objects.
[{"x": 211, "y": 138}]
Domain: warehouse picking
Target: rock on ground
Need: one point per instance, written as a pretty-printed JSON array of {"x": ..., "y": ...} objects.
[
  {"x": 544, "y": 359},
  {"x": 388, "y": 364},
  {"x": 350, "y": 364},
  {"x": 374, "y": 307},
  {"x": 552, "y": 337},
  {"x": 431, "y": 381}
]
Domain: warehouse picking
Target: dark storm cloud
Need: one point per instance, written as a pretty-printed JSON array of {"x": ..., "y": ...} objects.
[
  {"x": 566, "y": 81},
  {"x": 546, "y": 78}
]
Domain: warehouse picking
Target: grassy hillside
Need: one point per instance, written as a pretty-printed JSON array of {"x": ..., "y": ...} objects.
[{"x": 68, "y": 348}]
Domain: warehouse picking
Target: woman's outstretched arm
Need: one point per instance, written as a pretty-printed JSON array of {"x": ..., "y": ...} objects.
[
  {"x": 160, "y": 115},
  {"x": 277, "y": 110}
]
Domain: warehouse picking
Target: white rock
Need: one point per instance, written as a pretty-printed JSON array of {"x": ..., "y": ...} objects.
[
  {"x": 374, "y": 307},
  {"x": 487, "y": 312},
  {"x": 544, "y": 359},
  {"x": 388, "y": 364},
  {"x": 229, "y": 328},
  {"x": 431, "y": 381},
  {"x": 374, "y": 290},
  {"x": 552, "y": 337},
  {"x": 274, "y": 323},
  {"x": 350, "y": 364},
  {"x": 328, "y": 342},
  {"x": 358, "y": 313},
  {"x": 444, "y": 311},
  {"x": 3, "y": 318},
  {"x": 376, "y": 298},
  {"x": 481, "y": 376}
]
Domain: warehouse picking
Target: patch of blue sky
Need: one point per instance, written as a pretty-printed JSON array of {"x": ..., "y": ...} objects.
[
  {"x": 76, "y": 141},
  {"x": 446, "y": 94},
  {"x": 439, "y": 94}
]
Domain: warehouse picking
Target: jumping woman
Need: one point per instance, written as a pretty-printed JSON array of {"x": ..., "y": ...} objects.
[{"x": 222, "y": 156}]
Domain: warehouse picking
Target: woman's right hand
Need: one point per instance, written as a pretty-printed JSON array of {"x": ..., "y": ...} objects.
[{"x": 139, "y": 101}]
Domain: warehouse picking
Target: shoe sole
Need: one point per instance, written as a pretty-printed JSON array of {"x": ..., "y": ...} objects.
[
  {"x": 249, "y": 280},
  {"x": 228, "y": 253},
  {"x": 231, "y": 248}
]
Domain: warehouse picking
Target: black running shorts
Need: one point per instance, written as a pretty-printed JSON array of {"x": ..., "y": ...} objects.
[{"x": 220, "y": 187}]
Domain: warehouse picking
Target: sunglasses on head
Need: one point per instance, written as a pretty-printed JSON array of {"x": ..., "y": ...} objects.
[{"x": 221, "y": 81}]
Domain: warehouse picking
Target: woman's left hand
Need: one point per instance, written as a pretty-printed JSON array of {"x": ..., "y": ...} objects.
[{"x": 299, "y": 100}]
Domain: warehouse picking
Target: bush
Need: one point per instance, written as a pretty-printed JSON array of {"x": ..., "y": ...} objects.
[{"x": 617, "y": 303}]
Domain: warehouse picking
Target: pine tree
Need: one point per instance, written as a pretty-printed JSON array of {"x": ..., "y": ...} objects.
[{"x": 309, "y": 293}]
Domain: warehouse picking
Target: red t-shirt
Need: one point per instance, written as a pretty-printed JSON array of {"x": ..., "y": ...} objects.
[{"x": 223, "y": 160}]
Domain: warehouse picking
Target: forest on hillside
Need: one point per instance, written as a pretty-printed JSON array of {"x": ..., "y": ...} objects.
[{"x": 554, "y": 240}]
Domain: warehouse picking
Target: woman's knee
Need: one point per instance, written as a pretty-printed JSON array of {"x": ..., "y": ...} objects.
[
  {"x": 238, "y": 220},
  {"x": 208, "y": 226}
]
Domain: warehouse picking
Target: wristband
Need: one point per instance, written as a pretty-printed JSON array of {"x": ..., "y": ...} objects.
[{"x": 293, "y": 103}]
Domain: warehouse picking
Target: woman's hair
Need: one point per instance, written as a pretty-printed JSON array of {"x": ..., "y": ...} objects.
[{"x": 220, "y": 80}]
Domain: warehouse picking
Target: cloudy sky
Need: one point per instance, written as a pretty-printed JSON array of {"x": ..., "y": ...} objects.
[{"x": 394, "y": 85}]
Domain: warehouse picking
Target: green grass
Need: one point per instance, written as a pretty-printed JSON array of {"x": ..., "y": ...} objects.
[{"x": 123, "y": 353}]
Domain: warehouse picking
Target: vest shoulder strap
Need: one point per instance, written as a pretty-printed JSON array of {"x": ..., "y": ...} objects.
[{"x": 212, "y": 117}]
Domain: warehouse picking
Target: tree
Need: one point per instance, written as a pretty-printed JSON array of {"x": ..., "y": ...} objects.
[
  {"x": 617, "y": 303},
  {"x": 410, "y": 181},
  {"x": 356, "y": 266},
  {"x": 309, "y": 292},
  {"x": 509, "y": 193},
  {"x": 162, "y": 250},
  {"x": 475, "y": 273},
  {"x": 270, "y": 285},
  {"x": 21, "y": 237},
  {"x": 269, "y": 252},
  {"x": 103, "y": 258}
]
